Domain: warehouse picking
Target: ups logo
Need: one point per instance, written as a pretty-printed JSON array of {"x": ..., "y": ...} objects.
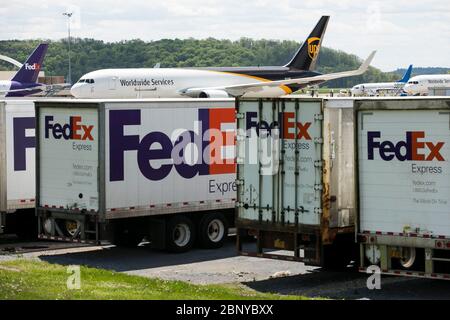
[{"x": 313, "y": 47}]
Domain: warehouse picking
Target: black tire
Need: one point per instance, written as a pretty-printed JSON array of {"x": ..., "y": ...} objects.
[
  {"x": 180, "y": 234},
  {"x": 212, "y": 231},
  {"x": 418, "y": 265}
]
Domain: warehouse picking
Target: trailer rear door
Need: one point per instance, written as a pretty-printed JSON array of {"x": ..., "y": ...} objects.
[
  {"x": 404, "y": 171},
  {"x": 280, "y": 181},
  {"x": 68, "y": 157}
]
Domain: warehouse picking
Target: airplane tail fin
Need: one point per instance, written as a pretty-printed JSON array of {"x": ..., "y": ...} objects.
[
  {"x": 407, "y": 75},
  {"x": 29, "y": 71},
  {"x": 306, "y": 56}
]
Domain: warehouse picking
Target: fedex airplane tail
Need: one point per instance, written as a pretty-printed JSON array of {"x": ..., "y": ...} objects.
[
  {"x": 29, "y": 71},
  {"x": 407, "y": 75},
  {"x": 306, "y": 56}
]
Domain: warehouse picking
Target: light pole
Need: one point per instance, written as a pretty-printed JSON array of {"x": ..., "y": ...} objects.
[{"x": 69, "y": 15}]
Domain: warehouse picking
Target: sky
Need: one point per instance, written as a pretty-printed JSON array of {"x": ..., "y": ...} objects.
[{"x": 402, "y": 31}]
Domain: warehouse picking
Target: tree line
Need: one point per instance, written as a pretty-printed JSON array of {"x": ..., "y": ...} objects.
[{"x": 90, "y": 54}]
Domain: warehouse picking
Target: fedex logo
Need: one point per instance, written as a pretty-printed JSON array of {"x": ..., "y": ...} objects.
[
  {"x": 74, "y": 130},
  {"x": 34, "y": 66},
  {"x": 22, "y": 142},
  {"x": 286, "y": 123},
  {"x": 413, "y": 148},
  {"x": 209, "y": 140}
]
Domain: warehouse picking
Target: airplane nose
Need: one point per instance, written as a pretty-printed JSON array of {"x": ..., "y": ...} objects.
[
  {"x": 75, "y": 90},
  {"x": 407, "y": 89}
]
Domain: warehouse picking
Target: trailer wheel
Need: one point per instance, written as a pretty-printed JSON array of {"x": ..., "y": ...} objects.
[
  {"x": 411, "y": 259},
  {"x": 213, "y": 230},
  {"x": 180, "y": 234},
  {"x": 408, "y": 257}
]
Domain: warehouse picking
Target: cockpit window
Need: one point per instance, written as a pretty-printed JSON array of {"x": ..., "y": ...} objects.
[{"x": 86, "y": 81}]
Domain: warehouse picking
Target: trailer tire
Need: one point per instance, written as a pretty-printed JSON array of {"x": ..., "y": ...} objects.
[
  {"x": 212, "y": 231},
  {"x": 180, "y": 234}
]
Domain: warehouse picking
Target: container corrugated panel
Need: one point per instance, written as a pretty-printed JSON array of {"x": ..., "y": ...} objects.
[{"x": 280, "y": 180}]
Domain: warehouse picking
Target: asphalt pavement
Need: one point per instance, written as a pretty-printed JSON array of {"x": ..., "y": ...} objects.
[{"x": 225, "y": 266}]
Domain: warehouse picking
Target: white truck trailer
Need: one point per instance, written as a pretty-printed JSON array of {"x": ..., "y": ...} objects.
[
  {"x": 17, "y": 168},
  {"x": 403, "y": 185},
  {"x": 120, "y": 170},
  {"x": 295, "y": 179}
]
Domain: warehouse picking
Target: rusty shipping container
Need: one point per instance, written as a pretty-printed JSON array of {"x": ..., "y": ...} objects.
[{"x": 296, "y": 179}]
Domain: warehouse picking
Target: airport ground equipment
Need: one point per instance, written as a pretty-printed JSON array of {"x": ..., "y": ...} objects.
[
  {"x": 119, "y": 170},
  {"x": 403, "y": 185},
  {"x": 17, "y": 168},
  {"x": 296, "y": 194}
]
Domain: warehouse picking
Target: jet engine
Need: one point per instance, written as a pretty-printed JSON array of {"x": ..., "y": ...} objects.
[{"x": 213, "y": 94}]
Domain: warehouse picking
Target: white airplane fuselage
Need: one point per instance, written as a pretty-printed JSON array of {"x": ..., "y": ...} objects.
[
  {"x": 422, "y": 85},
  {"x": 373, "y": 89},
  {"x": 163, "y": 83}
]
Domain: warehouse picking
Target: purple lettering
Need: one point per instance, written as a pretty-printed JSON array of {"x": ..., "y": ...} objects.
[
  {"x": 22, "y": 142},
  {"x": 119, "y": 142}
]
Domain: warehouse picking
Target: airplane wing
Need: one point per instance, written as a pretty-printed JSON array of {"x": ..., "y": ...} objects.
[
  {"x": 241, "y": 89},
  {"x": 11, "y": 60}
]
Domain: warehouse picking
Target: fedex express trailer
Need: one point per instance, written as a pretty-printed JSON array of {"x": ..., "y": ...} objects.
[
  {"x": 17, "y": 168},
  {"x": 117, "y": 170},
  {"x": 295, "y": 179},
  {"x": 403, "y": 185}
]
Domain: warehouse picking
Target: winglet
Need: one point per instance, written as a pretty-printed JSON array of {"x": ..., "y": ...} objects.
[{"x": 365, "y": 65}]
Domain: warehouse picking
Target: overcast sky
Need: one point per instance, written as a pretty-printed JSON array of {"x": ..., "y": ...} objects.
[{"x": 403, "y": 31}]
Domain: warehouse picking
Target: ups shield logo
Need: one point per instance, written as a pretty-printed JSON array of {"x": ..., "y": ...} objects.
[{"x": 313, "y": 47}]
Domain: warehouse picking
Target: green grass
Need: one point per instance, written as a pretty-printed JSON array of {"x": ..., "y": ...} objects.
[{"x": 28, "y": 279}]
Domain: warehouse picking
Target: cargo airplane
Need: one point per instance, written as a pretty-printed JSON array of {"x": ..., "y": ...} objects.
[
  {"x": 24, "y": 82},
  {"x": 214, "y": 82},
  {"x": 374, "y": 89},
  {"x": 437, "y": 84}
]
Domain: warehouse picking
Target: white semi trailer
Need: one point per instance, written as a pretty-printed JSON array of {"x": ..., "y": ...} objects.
[
  {"x": 403, "y": 185},
  {"x": 121, "y": 170},
  {"x": 17, "y": 168}
]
